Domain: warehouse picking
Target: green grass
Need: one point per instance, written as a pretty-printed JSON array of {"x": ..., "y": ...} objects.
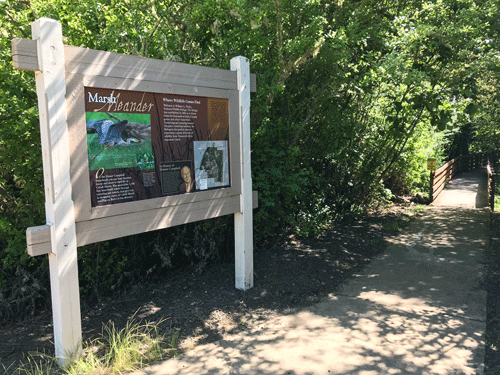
[
  {"x": 119, "y": 156},
  {"x": 114, "y": 352},
  {"x": 417, "y": 209},
  {"x": 136, "y": 155}
]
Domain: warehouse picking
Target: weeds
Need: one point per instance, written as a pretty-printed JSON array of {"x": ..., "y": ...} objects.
[
  {"x": 492, "y": 334},
  {"x": 114, "y": 352},
  {"x": 402, "y": 221},
  {"x": 5, "y": 370},
  {"x": 397, "y": 224},
  {"x": 39, "y": 364},
  {"x": 416, "y": 209}
]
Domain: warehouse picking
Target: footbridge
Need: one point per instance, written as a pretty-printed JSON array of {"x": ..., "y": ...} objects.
[{"x": 419, "y": 308}]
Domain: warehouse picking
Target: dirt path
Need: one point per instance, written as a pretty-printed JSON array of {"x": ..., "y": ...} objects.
[
  {"x": 417, "y": 309},
  {"x": 290, "y": 276}
]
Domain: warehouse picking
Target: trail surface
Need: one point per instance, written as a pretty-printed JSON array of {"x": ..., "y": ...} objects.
[{"x": 416, "y": 309}]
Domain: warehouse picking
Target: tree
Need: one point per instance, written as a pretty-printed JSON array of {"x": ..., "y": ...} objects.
[{"x": 353, "y": 96}]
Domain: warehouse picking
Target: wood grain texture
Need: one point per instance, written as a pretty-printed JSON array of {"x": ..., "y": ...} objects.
[
  {"x": 59, "y": 211},
  {"x": 100, "y": 63},
  {"x": 243, "y": 219},
  {"x": 38, "y": 238},
  {"x": 129, "y": 224},
  {"x": 24, "y": 54}
]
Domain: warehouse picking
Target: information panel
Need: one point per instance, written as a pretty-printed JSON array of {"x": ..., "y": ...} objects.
[
  {"x": 135, "y": 146},
  {"x": 147, "y": 145}
]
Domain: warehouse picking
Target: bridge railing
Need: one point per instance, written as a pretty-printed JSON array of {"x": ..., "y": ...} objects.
[
  {"x": 440, "y": 177},
  {"x": 491, "y": 185}
]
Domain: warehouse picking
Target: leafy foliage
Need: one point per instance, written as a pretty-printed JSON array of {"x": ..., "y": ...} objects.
[{"x": 353, "y": 97}]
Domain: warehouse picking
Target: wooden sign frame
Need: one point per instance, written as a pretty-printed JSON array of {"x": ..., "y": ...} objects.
[{"x": 62, "y": 74}]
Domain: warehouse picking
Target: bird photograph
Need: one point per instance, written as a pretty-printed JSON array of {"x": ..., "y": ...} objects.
[{"x": 131, "y": 132}]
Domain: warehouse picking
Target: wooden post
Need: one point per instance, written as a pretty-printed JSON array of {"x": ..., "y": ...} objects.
[
  {"x": 243, "y": 221},
  {"x": 492, "y": 192},
  {"x": 59, "y": 211},
  {"x": 431, "y": 186}
]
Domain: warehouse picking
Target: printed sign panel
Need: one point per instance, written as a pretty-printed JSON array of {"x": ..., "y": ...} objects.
[{"x": 147, "y": 145}]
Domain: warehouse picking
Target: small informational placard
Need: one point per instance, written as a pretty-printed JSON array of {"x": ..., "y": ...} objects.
[
  {"x": 431, "y": 164},
  {"x": 147, "y": 145},
  {"x": 211, "y": 164}
]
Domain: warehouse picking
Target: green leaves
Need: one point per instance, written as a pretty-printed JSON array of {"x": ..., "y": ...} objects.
[
  {"x": 471, "y": 109},
  {"x": 352, "y": 96}
]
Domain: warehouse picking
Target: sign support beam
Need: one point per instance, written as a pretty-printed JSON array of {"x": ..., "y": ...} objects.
[
  {"x": 71, "y": 218},
  {"x": 59, "y": 210},
  {"x": 243, "y": 220}
]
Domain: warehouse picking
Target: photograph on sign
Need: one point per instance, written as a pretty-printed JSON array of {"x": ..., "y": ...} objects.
[
  {"x": 145, "y": 145},
  {"x": 119, "y": 140},
  {"x": 211, "y": 161},
  {"x": 177, "y": 177}
]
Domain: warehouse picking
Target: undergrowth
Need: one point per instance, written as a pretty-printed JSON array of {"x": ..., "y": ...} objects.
[
  {"x": 492, "y": 336},
  {"x": 115, "y": 351},
  {"x": 402, "y": 221}
]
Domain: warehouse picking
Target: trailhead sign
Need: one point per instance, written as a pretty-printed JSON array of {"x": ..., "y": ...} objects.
[
  {"x": 148, "y": 145},
  {"x": 131, "y": 145}
]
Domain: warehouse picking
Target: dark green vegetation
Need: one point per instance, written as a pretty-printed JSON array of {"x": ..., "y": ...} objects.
[
  {"x": 353, "y": 97},
  {"x": 492, "y": 260}
]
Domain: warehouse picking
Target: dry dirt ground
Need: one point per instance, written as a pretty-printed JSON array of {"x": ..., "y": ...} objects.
[{"x": 289, "y": 274}]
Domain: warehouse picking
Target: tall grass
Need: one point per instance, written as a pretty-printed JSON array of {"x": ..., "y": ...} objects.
[{"x": 116, "y": 351}]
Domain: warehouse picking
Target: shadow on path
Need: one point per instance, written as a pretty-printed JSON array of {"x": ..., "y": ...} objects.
[
  {"x": 467, "y": 189},
  {"x": 419, "y": 308}
]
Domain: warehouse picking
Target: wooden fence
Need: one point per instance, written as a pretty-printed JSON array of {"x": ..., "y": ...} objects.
[
  {"x": 440, "y": 177},
  {"x": 491, "y": 184}
]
